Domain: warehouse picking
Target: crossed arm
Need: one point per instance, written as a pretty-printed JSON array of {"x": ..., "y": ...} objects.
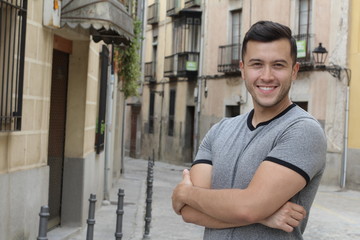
[{"x": 265, "y": 200}]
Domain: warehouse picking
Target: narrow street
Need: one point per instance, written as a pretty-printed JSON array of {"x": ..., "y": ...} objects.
[{"x": 335, "y": 214}]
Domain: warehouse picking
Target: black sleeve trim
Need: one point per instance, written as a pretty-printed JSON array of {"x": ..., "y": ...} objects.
[
  {"x": 202, "y": 161},
  {"x": 291, "y": 166}
]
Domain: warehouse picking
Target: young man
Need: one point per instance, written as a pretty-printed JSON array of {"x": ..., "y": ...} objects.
[{"x": 251, "y": 171}]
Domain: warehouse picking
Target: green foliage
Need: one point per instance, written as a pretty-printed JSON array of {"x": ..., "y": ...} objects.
[{"x": 128, "y": 62}]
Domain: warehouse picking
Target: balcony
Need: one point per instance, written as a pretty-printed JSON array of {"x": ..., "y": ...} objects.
[
  {"x": 150, "y": 72},
  {"x": 304, "y": 56},
  {"x": 153, "y": 13},
  {"x": 229, "y": 59},
  {"x": 181, "y": 65},
  {"x": 172, "y": 8},
  {"x": 192, "y": 3}
]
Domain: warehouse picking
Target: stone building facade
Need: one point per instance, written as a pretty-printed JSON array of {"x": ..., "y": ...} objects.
[
  {"x": 55, "y": 73},
  {"x": 192, "y": 78}
]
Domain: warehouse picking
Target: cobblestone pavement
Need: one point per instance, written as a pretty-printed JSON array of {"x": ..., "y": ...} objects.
[{"x": 335, "y": 214}]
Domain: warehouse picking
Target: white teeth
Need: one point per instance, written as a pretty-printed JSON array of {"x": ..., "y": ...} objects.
[{"x": 266, "y": 88}]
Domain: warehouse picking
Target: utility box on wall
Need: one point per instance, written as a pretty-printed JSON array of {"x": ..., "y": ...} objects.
[{"x": 52, "y": 13}]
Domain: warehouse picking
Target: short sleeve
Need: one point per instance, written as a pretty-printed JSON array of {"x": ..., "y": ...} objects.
[
  {"x": 204, "y": 154},
  {"x": 301, "y": 147}
]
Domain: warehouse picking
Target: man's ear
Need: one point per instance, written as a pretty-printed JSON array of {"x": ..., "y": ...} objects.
[
  {"x": 295, "y": 70},
  {"x": 241, "y": 64}
]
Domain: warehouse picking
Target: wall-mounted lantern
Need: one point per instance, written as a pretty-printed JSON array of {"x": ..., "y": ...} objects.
[{"x": 320, "y": 53}]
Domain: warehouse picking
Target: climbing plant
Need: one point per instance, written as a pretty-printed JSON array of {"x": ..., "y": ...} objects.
[{"x": 128, "y": 63}]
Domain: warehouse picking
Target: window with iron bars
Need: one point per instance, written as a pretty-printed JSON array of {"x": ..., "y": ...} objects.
[
  {"x": 12, "y": 55},
  {"x": 151, "y": 112},
  {"x": 172, "y": 112}
]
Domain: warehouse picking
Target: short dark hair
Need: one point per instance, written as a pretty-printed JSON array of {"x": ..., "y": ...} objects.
[{"x": 268, "y": 31}]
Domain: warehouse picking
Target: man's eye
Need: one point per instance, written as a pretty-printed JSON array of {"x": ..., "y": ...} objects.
[
  {"x": 278, "y": 65},
  {"x": 256, "y": 64}
]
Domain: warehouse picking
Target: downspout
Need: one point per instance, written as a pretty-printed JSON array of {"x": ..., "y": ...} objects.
[
  {"x": 109, "y": 105},
  {"x": 142, "y": 11},
  {"x": 346, "y": 134},
  {"x": 199, "y": 82}
]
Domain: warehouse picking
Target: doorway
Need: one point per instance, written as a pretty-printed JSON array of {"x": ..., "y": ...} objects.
[
  {"x": 135, "y": 111},
  {"x": 57, "y": 124},
  {"x": 189, "y": 133}
]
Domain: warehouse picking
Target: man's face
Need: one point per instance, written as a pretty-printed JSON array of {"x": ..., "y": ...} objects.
[{"x": 268, "y": 71}]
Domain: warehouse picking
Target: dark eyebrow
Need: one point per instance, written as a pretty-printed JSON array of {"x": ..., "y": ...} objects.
[
  {"x": 255, "y": 60},
  {"x": 281, "y": 61}
]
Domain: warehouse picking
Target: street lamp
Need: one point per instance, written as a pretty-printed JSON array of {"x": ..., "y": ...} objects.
[{"x": 320, "y": 54}]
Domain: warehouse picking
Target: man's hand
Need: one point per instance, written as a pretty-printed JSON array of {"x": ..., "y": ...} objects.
[
  {"x": 179, "y": 192},
  {"x": 286, "y": 218}
]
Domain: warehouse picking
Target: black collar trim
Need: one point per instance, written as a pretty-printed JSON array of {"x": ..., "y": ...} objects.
[{"x": 251, "y": 115}]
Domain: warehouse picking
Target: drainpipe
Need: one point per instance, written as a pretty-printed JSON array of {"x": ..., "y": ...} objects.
[
  {"x": 346, "y": 133},
  {"x": 109, "y": 105},
  {"x": 142, "y": 10},
  {"x": 199, "y": 82}
]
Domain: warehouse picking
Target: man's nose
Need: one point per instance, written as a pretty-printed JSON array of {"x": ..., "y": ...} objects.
[{"x": 267, "y": 73}]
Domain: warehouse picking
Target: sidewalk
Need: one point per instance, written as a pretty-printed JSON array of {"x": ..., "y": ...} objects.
[
  {"x": 165, "y": 224},
  {"x": 335, "y": 214}
]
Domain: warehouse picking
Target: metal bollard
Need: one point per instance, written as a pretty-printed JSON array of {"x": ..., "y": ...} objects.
[
  {"x": 119, "y": 213},
  {"x": 44, "y": 215},
  {"x": 149, "y": 191},
  {"x": 91, "y": 218}
]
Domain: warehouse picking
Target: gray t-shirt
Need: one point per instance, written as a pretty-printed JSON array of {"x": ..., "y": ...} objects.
[{"x": 235, "y": 148}]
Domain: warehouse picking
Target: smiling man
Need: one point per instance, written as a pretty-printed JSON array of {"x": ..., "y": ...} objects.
[{"x": 256, "y": 175}]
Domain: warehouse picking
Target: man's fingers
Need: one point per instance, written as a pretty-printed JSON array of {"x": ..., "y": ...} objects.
[
  {"x": 186, "y": 177},
  {"x": 297, "y": 215},
  {"x": 293, "y": 222},
  {"x": 287, "y": 228},
  {"x": 298, "y": 208},
  {"x": 186, "y": 173}
]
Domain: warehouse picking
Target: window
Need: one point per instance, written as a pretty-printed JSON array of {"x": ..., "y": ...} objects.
[
  {"x": 187, "y": 34},
  {"x": 100, "y": 125},
  {"x": 232, "y": 110},
  {"x": 151, "y": 112},
  {"x": 235, "y": 36},
  {"x": 303, "y": 105},
  {"x": 154, "y": 56},
  {"x": 12, "y": 51},
  {"x": 172, "y": 112},
  {"x": 305, "y": 12}
]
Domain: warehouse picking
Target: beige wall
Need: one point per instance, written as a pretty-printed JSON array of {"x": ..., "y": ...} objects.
[{"x": 28, "y": 148}]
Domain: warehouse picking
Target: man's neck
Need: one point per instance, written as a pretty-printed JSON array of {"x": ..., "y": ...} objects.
[{"x": 263, "y": 114}]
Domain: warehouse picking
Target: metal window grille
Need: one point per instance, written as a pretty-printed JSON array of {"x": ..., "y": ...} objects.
[
  {"x": 172, "y": 112},
  {"x": 100, "y": 128},
  {"x": 12, "y": 55},
  {"x": 151, "y": 112}
]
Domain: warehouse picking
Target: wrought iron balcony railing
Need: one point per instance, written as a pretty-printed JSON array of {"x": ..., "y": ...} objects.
[
  {"x": 229, "y": 58},
  {"x": 153, "y": 13},
  {"x": 181, "y": 64},
  {"x": 150, "y": 72}
]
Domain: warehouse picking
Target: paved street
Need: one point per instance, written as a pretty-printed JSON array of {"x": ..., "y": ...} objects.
[{"x": 335, "y": 214}]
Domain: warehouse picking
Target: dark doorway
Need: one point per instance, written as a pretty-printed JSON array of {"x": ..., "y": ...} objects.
[
  {"x": 59, "y": 82},
  {"x": 135, "y": 110},
  {"x": 189, "y": 133},
  {"x": 303, "y": 105},
  {"x": 232, "y": 111}
]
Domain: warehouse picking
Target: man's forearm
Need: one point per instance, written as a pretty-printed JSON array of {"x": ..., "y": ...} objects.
[
  {"x": 266, "y": 193},
  {"x": 191, "y": 215}
]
